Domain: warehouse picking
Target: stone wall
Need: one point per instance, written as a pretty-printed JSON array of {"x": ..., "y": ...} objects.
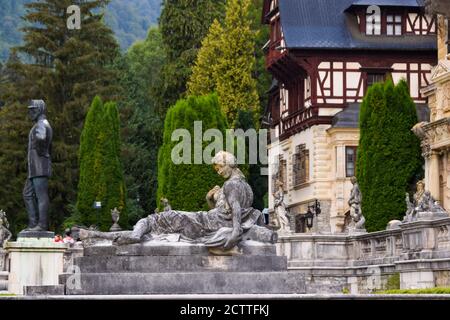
[
  {"x": 418, "y": 253},
  {"x": 3, "y": 260}
]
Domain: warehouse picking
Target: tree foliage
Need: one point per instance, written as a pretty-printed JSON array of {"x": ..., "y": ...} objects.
[
  {"x": 101, "y": 175},
  {"x": 186, "y": 185},
  {"x": 142, "y": 128},
  {"x": 389, "y": 156},
  {"x": 227, "y": 59},
  {"x": 183, "y": 25}
]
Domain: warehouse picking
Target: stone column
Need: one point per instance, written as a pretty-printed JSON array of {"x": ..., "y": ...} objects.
[
  {"x": 433, "y": 177},
  {"x": 34, "y": 262}
]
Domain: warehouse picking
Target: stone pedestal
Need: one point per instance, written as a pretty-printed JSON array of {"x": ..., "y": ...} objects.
[
  {"x": 431, "y": 215},
  {"x": 180, "y": 268},
  {"x": 34, "y": 262},
  {"x": 3, "y": 262}
]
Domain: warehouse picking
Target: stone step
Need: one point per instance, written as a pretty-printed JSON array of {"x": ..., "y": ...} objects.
[
  {"x": 174, "y": 249},
  {"x": 289, "y": 282},
  {"x": 153, "y": 264},
  {"x": 57, "y": 290},
  {"x": 4, "y": 280}
]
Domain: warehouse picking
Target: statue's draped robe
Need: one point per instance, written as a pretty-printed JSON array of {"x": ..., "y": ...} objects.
[{"x": 209, "y": 227}]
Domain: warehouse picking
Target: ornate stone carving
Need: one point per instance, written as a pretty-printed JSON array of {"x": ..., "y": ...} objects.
[
  {"x": 424, "y": 205},
  {"x": 5, "y": 234},
  {"x": 280, "y": 212},
  {"x": 115, "y": 215},
  {"x": 357, "y": 223}
]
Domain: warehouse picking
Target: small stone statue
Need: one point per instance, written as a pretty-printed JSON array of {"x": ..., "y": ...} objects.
[
  {"x": 358, "y": 221},
  {"x": 115, "y": 215},
  {"x": 5, "y": 234},
  {"x": 410, "y": 210},
  {"x": 280, "y": 211},
  {"x": 429, "y": 204},
  {"x": 35, "y": 192},
  {"x": 423, "y": 203}
]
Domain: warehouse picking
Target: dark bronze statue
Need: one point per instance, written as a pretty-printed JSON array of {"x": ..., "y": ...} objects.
[{"x": 35, "y": 192}]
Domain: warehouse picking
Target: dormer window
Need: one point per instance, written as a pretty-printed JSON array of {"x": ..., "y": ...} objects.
[
  {"x": 373, "y": 25},
  {"x": 394, "y": 25},
  {"x": 387, "y": 24}
]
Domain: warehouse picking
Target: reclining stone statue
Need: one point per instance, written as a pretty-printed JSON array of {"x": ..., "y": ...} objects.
[{"x": 230, "y": 220}]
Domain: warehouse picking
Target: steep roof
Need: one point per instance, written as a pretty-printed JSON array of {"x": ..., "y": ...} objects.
[
  {"x": 390, "y": 3},
  {"x": 325, "y": 24}
]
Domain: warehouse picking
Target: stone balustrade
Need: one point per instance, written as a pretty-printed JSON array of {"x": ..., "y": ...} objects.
[{"x": 418, "y": 252}]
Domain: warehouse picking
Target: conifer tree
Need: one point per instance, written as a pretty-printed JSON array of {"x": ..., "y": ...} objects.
[
  {"x": 101, "y": 175},
  {"x": 389, "y": 158},
  {"x": 204, "y": 73},
  {"x": 186, "y": 185},
  {"x": 142, "y": 126},
  {"x": 183, "y": 25},
  {"x": 227, "y": 57}
]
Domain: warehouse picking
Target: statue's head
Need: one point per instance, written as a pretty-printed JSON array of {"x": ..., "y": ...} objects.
[
  {"x": 353, "y": 180},
  {"x": 36, "y": 109},
  {"x": 420, "y": 185},
  {"x": 224, "y": 163}
]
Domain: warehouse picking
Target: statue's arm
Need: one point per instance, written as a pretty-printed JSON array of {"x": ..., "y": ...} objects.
[
  {"x": 41, "y": 131},
  {"x": 41, "y": 136}
]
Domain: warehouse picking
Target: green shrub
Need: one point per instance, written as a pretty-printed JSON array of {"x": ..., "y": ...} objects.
[
  {"x": 389, "y": 155},
  {"x": 437, "y": 290},
  {"x": 186, "y": 185},
  {"x": 393, "y": 282},
  {"x": 101, "y": 174}
]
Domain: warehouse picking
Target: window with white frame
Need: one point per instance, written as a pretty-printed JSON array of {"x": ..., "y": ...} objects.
[{"x": 394, "y": 24}]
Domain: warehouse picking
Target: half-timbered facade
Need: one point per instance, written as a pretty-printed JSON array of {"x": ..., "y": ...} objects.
[{"x": 323, "y": 55}]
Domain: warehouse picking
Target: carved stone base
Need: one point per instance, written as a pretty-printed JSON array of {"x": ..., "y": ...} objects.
[
  {"x": 430, "y": 215},
  {"x": 36, "y": 234}
]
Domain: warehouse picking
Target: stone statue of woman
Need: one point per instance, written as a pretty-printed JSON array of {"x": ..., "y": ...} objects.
[
  {"x": 280, "y": 207},
  {"x": 231, "y": 218},
  {"x": 358, "y": 220}
]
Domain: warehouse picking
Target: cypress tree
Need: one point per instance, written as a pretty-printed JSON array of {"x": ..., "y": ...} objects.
[
  {"x": 90, "y": 165},
  {"x": 389, "y": 153},
  {"x": 186, "y": 185},
  {"x": 101, "y": 175}
]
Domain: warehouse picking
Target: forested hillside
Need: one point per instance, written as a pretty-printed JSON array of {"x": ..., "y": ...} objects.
[{"x": 129, "y": 19}]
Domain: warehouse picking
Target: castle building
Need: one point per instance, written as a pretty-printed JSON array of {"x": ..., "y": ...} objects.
[
  {"x": 435, "y": 135},
  {"x": 323, "y": 55}
]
